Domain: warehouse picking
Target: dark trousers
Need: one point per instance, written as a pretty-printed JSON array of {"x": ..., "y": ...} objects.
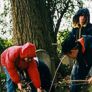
[{"x": 78, "y": 73}]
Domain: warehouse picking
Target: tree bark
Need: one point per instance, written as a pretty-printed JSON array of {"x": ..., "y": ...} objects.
[{"x": 31, "y": 24}]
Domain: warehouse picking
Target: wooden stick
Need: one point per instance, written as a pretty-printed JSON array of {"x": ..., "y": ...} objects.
[{"x": 77, "y": 80}]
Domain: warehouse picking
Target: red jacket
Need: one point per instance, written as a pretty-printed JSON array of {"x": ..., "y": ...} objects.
[{"x": 13, "y": 56}]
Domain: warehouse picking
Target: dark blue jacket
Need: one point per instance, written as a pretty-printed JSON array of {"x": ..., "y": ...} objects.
[
  {"x": 86, "y": 32},
  {"x": 85, "y": 58},
  {"x": 86, "y": 29}
]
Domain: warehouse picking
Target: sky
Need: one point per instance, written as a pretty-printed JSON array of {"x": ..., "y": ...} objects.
[
  {"x": 64, "y": 24},
  {"x": 1, "y": 5},
  {"x": 88, "y": 4},
  {"x": 6, "y": 21}
]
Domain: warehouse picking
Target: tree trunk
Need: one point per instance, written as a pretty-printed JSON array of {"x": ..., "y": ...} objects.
[{"x": 30, "y": 23}]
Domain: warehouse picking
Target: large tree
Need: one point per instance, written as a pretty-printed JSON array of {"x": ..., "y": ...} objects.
[
  {"x": 30, "y": 23},
  {"x": 33, "y": 22}
]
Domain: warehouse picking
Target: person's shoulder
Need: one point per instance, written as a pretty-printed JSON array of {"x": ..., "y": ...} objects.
[
  {"x": 12, "y": 49},
  {"x": 89, "y": 24},
  {"x": 89, "y": 28},
  {"x": 41, "y": 63},
  {"x": 74, "y": 30}
]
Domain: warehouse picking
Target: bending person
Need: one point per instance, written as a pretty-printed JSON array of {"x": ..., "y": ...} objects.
[{"x": 20, "y": 57}]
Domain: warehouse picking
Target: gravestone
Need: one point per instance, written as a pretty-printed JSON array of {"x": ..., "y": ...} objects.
[{"x": 44, "y": 56}]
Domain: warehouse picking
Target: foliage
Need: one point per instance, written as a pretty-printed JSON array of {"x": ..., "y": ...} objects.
[
  {"x": 4, "y": 44},
  {"x": 5, "y": 20},
  {"x": 60, "y": 38},
  {"x": 2, "y": 76},
  {"x": 62, "y": 9},
  {"x": 2, "y": 82}
]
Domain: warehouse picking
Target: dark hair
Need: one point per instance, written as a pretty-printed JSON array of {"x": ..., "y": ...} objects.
[
  {"x": 84, "y": 12},
  {"x": 68, "y": 44}
]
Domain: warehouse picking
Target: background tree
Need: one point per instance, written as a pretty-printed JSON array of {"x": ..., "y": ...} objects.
[
  {"x": 30, "y": 23},
  {"x": 33, "y": 21}
]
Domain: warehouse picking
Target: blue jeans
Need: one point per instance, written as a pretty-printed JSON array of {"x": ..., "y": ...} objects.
[
  {"x": 78, "y": 73},
  {"x": 9, "y": 84}
]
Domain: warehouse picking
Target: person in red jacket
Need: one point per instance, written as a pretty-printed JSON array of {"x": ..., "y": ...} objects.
[{"x": 20, "y": 57}]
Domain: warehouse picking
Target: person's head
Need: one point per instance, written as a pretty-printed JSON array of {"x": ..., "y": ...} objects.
[
  {"x": 82, "y": 20},
  {"x": 70, "y": 47},
  {"x": 28, "y": 52},
  {"x": 82, "y": 17}
]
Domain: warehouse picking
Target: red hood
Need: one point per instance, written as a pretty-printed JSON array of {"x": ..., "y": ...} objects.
[{"x": 28, "y": 50}]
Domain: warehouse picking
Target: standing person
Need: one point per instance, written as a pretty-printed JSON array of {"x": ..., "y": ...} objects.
[
  {"x": 81, "y": 27},
  {"x": 81, "y": 23},
  {"x": 81, "y": 50},
  {"x": 17, "y": 58}
]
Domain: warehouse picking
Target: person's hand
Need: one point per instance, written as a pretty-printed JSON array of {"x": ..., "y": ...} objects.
[
  {"x": 39, "y": 90},
  {"x": 19, "y": 86},
  {"x": 90, "y": 80}
]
